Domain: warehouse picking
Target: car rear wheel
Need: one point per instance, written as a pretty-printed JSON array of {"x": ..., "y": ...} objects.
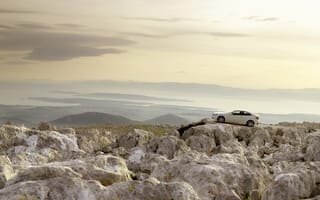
[
  {"x": 250, "y": 123},
  {"x": 221, "y": 119}
]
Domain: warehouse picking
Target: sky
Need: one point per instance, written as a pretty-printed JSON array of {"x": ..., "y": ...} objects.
[{"x": 255, "y": 44}]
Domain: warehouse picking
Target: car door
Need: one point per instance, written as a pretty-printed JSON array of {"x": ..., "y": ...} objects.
[
  {"x": 234, "y": 117},
  {"x": 246, "y": 116}
]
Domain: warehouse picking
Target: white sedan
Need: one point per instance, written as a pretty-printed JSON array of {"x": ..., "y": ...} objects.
[{"x": 237, "y": 117}]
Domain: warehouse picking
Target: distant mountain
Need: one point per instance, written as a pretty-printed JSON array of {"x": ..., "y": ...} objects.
[
  {"x": 169, "y": 119},
  {"x": 96, "y": 118},
  {"x": 92, "y": 118}
]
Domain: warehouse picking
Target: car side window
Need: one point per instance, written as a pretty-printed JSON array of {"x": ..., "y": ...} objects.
[
  {"x": 236, "y": 112},
  {"x": 247, "y": 113}
]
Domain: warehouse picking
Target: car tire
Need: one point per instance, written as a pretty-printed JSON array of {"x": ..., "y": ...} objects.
[
  {"x": 250, "y": 123},
  {"x": 221, "y": 119}
]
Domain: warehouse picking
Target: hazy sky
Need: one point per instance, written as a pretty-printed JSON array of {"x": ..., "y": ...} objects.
[{"x": 238, "y": 43}]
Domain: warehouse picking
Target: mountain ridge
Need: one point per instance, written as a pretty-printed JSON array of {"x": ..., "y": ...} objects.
[
  {"x": 96, "y": 118},
  {"x": 169, "y": 119}
]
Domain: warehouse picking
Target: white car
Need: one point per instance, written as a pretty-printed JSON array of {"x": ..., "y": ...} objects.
[{"x": 237, "y": 117}]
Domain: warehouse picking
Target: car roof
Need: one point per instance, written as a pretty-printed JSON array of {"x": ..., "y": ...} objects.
[{"x": 241, "y": 111}]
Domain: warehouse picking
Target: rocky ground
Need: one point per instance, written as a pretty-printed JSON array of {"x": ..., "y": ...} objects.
[{"x": 208, "y": 161}]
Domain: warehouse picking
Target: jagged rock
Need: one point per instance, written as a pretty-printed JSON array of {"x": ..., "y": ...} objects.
[
  {"x": 24, "y": 159},
  {"x": 168, "y": 146},
  {"x": 25, "y": 146},
  {"x": 67, "y": 131},
  {"x": 93, "y": 140},
  {"x": 106, "y": 169},
  {"x": 285, "y": 152},
  {"x": 204, "y": 161},
  {"x": 231, "y": 147},
  {"x": 201, "y": 143},
  {"x": 68, "y": 188},
  {"x": 297, "y": 181},
  {"x": 135, "y": 158},
  {"x": 134, "y": 138},
  {"x": 6, "y": 170},
  {"x": 9, "y": 122},
  {"x": 217, "y": 133},
  {"x": 149, "y": 162},
  {"x": 46, "y": 126},
  {"x": 288, "y": 135},
  {"x": 260, "y": 138},
  {"x": 121, "y": 152},
  {"x": 44, "y": 172},
  {"x": 312, "y": 146},
  {"x": 314, "y": 198},
  {"x": 58, "y": 188},
  {"x": 150, "y": 189},
  {"x": 9, "y": 135},
  {"x": 222, "y": 176},
  {"x": 243, "y": 133}
]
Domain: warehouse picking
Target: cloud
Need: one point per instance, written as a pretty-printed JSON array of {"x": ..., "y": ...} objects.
[
  {"x": 262, "y": 19},
  {"x": 178, "y": 33},
  {"x": 269, "y": 19},
  {"x": 66, "y": 53},
  {"x": 67, "y": 25},
  {"x": 9, "y": 11},
  {"x": 44, "y": 45},
  {"x": 227, "y": 34},
  {"x": 5, "y": 26},
  {"x": 17, "y": 62},
  {"x": 173, "y": 19},
  {"x": 144, "y": 35},
  {"x": 33, "y": 26}
]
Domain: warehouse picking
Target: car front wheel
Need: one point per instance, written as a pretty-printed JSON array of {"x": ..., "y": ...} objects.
[
  {"x": 221, "y": 119},
  {"x": 250, "y": 123}
]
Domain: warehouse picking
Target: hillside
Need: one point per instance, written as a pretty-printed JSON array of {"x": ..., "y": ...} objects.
[
  {"x": 91, "y": 118},
  {"x": 168, "y": 119}
]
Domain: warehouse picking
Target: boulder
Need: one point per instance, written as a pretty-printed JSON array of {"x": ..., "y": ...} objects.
[
  {"x": 168, "y": 146},
  {"x": 285, "y": 152},
  {"x": 69, "y": 188},
  {"x": 58, "y": 188},
  {"x": 297, "y": 181},
  {"x": 218, "y": 133},
  {"x": 93, "y": 140},
  {"x": 201, "y": 143},
  {"x": 312, "y": 147},
  {"x": 288, "y": 135},
  {"x": 149, "y": 189},
  {"x": 106, "y": 169},
  {"x": 134, "y": 138},
  {"x": 6, "y": 170},
  {"x": 222, "y": 176},
  {"x": 204, "y": 161},
  {"x": 39, "y": 147},
  {"x": 46, "y": 126}
]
